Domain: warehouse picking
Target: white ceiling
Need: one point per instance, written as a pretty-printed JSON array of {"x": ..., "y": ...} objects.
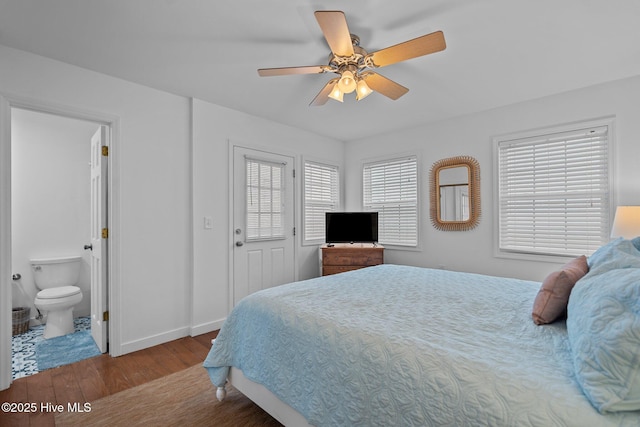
[{"x": 499, "y": 52}]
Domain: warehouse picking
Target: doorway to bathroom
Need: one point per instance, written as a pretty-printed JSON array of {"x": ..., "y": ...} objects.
[{"x": 58, "y": 209}]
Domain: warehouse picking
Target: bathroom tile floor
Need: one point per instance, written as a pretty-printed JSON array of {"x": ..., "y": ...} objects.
[{"x": 23, "y": 348}]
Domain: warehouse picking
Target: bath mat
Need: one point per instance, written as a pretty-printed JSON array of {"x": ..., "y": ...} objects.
[{"x": 66, "y": 349}]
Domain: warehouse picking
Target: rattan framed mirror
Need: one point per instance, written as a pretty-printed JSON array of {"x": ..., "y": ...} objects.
[{"x": 455, "y": 193}]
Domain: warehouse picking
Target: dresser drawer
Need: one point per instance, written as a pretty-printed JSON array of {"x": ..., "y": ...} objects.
[
  {"x": 354, "y": 258},
  {"x": 335, "y": 269},
  {"x": 343, "y": 257}
]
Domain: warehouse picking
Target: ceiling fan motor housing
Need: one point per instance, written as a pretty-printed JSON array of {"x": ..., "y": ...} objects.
[{"x": 358, "y": 59}]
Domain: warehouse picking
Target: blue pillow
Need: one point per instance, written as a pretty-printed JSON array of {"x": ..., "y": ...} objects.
[
  {"x": 619, "y": 253},
  {"x": 603, "y": 327}
]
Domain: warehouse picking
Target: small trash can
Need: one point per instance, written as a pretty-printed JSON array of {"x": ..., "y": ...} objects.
[{"x": 20, "y": 319}]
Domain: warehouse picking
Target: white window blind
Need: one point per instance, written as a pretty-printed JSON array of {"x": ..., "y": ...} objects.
[
  {"x": 554, "y": 193},
  {"x": 391, "y": 189},
  {"x": 320, "y": 195},
  {"x": 265, "y": 204}
]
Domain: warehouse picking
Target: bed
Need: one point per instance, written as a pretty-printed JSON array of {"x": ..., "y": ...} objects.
[{"x": 400, "y": 345}]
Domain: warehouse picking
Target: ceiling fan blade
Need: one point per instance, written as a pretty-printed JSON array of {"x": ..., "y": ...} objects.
[
  {"x": 285, "y": 71},
  {"x": 323, "y": 96},
  {"x": 419, "y": 46},
  {"x": 334, "y": 27},
  {"x": 383, "y": 85}
]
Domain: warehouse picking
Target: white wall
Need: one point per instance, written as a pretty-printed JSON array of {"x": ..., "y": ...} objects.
[
  {"x": 151, "y": 186},
  {"x": 473, "y": 135},
  {"x": 163, "y": 185},
  {"x": 214, "y": 129},
  {"x": 171, "y": 275},
  {"x": 50, "y": 203}
]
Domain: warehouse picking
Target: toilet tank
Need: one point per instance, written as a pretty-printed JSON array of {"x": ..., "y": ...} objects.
[{"x": 55, "y": 272}]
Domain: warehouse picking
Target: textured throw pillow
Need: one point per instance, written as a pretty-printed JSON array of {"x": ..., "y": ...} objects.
[
  {"x": 603, "y": 327},
  {"x": 618, "y": 253},
  {"x": 551, "y": 301}
]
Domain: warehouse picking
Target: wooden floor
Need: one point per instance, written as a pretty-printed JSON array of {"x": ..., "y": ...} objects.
[{"x": 100, "y": 376}]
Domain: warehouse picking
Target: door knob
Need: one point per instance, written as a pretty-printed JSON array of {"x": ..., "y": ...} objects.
[
  {"x": 239, "y": 243},
  {"x": 90, "y": 247}
]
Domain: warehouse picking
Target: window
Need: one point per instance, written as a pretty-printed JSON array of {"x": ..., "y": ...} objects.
[
  {"x": 390, "y": 187},
  {"x": 320, "y": 195},
  {"x": 265, "y": 192},
  {"x": 554, "y": 192}
]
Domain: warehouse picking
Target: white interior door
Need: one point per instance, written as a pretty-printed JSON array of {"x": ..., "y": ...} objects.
[
  {"x": 99, "y": 316},
  {"x": 263, "y": 221}
]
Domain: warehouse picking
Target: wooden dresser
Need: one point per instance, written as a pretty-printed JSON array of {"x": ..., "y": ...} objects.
[{"x": 343, "y": 257}]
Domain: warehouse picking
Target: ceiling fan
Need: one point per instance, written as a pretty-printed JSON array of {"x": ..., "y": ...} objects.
[{"x": 354, "y": 65}]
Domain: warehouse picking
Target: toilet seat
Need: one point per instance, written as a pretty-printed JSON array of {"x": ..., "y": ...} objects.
[{"x": 60, "y": 292}]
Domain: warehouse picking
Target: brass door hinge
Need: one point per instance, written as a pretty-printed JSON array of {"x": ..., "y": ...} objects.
[
  {"x": 105, "y": 150},
  {"x": 105, "y": 233},
  {"x": 105, "y": 316}
]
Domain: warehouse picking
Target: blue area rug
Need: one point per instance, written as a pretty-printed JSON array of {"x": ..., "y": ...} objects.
[{"x": 66, "y": 349}]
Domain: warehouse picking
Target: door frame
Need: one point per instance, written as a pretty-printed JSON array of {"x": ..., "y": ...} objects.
[
  {"x": 231, "y": 236},
  {"x": 7, "y": 102}
]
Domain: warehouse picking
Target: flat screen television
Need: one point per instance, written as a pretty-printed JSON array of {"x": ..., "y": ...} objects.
[{"x": 351, "y": 227}]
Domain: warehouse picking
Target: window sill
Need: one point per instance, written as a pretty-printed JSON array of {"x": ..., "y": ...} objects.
[{"x": 523, "y": 256}]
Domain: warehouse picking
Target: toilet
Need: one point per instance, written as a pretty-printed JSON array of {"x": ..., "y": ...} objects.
[{"x": 56, "y": 279}]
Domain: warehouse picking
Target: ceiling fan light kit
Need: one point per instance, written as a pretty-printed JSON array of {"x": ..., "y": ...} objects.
[
  {"x": 336, "y": 93},
  {"x": 363, "y": 90},
  {"x": 347, "y": 82},
  {"x": 354, "y": 65}
]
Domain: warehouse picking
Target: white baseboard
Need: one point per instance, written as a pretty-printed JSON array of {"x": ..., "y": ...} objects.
[
  {"x": 131, "y": 346},
  {"x": 204, "y": 328}
]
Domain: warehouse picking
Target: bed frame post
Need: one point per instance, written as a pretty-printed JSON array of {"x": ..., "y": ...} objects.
[{"x": 221, "y": 393}]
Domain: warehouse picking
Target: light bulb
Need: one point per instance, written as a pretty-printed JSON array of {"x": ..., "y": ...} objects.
[
  {"x": 336, "y": 93},
  {"x": 347, "y": 82},
  {"x": 363, "y": 90}
]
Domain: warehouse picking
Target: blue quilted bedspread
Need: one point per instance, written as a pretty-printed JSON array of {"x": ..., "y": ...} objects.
[{"x": 407, "y": 346}]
